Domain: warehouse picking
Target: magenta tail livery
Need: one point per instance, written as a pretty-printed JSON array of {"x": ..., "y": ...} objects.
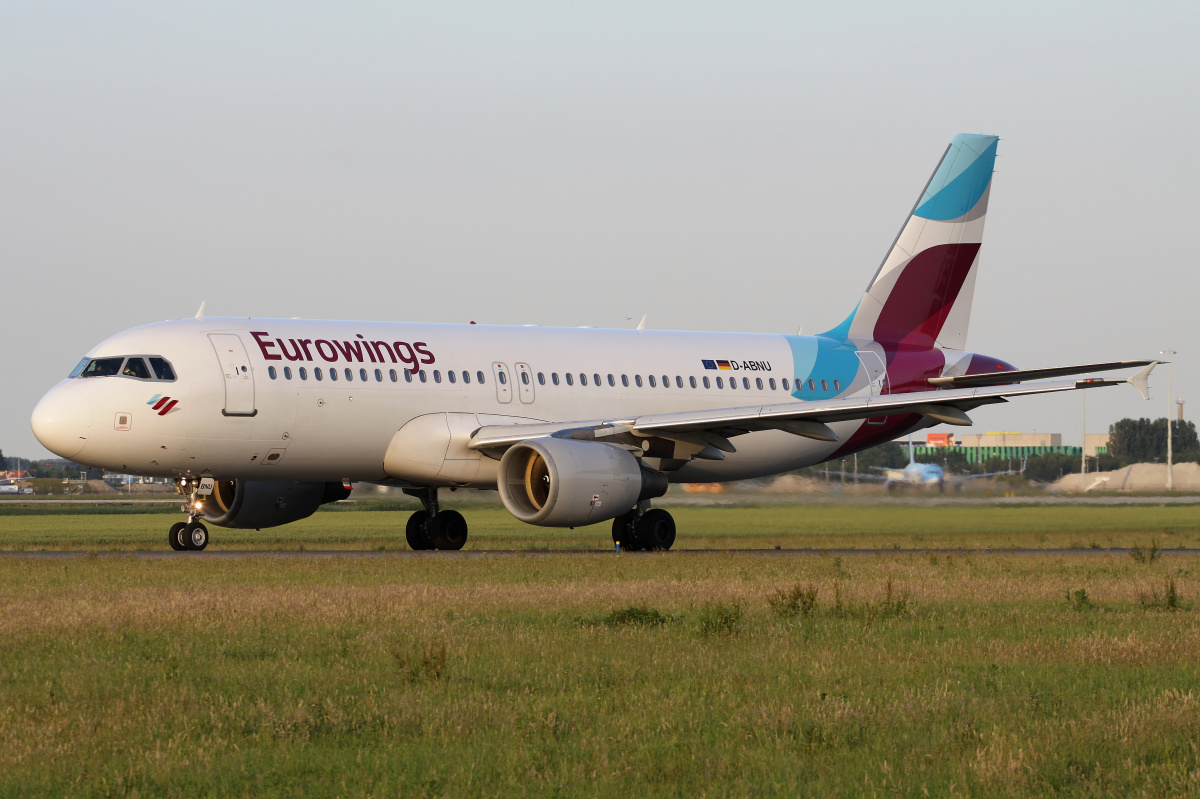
[{"x": 262, "y": 420}]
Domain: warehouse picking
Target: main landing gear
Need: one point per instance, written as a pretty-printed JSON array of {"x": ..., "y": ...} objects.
[
  {"x": 190, "y": 535},
  {"x": 433, "y": 528},
  {"x": 644, "y": 529}
]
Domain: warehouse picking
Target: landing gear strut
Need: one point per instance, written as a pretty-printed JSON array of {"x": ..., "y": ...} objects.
[
  {"x": 190, "y": 535},
  {"x": 644, "y": 529},
  {"x": 433, "y": 528}
]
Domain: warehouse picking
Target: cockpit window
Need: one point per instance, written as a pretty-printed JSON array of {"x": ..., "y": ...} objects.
[
  {"x": 136, "y": 367},
  {"x": 162, "y": 369},
  {"x": 102, "y": 367}
]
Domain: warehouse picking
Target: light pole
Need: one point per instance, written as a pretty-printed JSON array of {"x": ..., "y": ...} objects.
[{"x": 1170, "y": 407}]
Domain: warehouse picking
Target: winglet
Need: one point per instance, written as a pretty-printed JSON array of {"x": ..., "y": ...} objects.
[
  {"x": 1141, "y": 381},
  {"x": 200, "y": 313}
]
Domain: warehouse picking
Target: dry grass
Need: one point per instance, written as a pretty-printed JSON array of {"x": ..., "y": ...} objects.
[{"x": 505, "y": 676}]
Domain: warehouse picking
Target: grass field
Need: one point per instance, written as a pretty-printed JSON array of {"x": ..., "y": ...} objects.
[
  {"x": 903, "y": 526},
  {"x": 710, "y": 674}
]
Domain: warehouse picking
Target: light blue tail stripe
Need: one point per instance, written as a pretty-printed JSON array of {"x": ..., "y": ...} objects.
[{"x": 961, "y": 179}]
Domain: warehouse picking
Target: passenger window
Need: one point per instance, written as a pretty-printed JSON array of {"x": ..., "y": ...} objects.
[
  {"x": 303, "y": 373},
  {"x": 651, "y": 379},
  {"x": 784, "y": 382},
  {"x": 333, "y": 374},
  {"x": 611, "y": 381},
  {"x": 541, "y": 379},
  {"x": 720, "y": 383},
  {"x": 362, "y": 375},
  {"x": 392, "y": 374},
  {"x": 554, "y": 378},
  {"x": 771, "y": 381},
  {"x": 625, "y": 381},
  {"x": 408, "y": 375},
  {"x": 569, "y": 378},
  {"x": 162, "y": 369},
  {"x": 733, "y": 382},
  {"x": 378, "y": 376},
  {"x": 479, "y": 377},
  {"x": 287, "y": 372},
  {"x": 466, "y": 376},
  {"x": 596, "y": 379},
  {"x": 317, "y": 373},
  {"x": 824, "y": 386},
  {"x": 349, "y": 374},
  {"x": 525, "y": 378},
  {"x": 837, "y": 386},
  {"x": 667, "y": 382},
  {"x": 691, "y": 381},
  {"x": 746, "y": 383},
  {"x": 271, "y": 372},
  {"x": 503, "y": 380},
  {"x": 450, "y": 375},
  {"x": 812, "y": 386},
  {"x": 424, "y": 378},
  {"x": 637, "y": 379},
  {"x": 582, "y": 379},
  {"x": 706, "y": 381}
]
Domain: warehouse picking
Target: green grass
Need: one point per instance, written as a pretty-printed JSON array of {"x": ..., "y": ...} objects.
[
  {"x": 788, "y": 526},
  {"x": 647, "y": 675}
]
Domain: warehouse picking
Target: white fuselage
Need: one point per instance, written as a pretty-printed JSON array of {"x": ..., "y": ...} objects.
[{"x": 225, "y": 415}]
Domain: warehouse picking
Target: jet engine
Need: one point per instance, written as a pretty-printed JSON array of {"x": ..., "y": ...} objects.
[
  {"x": 260, "y": 503},
  {"x": 557, "y": 482}
]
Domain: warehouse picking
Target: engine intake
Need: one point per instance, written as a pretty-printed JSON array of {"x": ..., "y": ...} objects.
[
  {"x": 555, "y": 482},
  {"x": 259, "y": 503}
]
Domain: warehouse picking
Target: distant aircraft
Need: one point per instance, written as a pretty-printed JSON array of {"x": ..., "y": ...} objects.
[
  {"x": 920, "y": 474},
  {"x": 261, "y": 421}
]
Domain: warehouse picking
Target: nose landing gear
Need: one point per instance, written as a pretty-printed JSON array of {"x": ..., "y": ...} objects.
[
  {"x": 433, "y": 528},
  {"x": 190, "y": 535}
]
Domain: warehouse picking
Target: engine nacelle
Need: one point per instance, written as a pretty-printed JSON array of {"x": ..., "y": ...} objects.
[
  {"x": 259, "y": 503},
  {"x": 557, "y": 482}
]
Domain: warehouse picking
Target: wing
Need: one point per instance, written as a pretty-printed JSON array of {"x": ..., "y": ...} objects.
[
  {"x": 706, "y": 433},
  {"x": 1003, "y": 378}
]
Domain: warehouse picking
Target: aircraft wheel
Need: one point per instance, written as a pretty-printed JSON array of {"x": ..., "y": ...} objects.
[
  {"x": 448, "y": 530},
  {"x": 624, "y": 532},
  {"x": 195, "y": 536},
  {"x": 174, "y": 537},
  {"x": 656, "y": 530},
  {"x": 415, "y": 534}
]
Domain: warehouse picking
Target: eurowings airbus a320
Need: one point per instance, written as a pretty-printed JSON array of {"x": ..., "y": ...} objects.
[{"x": 261, "y": 421}]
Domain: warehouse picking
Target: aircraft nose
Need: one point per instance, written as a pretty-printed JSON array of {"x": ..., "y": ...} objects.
[{"x": 62, "y": 421}]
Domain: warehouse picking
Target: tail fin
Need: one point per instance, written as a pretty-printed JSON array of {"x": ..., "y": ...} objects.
[{"x": 921, "y": 295}]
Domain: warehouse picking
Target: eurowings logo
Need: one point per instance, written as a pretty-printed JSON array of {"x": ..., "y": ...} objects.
[{"x": 163, "y": 405}]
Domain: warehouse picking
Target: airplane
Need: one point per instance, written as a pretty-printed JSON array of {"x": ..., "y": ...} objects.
[
  {"x": 262, "y": 421},
  {"x": 919, "y": 474}
]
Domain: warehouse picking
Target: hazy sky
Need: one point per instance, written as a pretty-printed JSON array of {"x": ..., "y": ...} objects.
[{"x": 722, "y": 166}]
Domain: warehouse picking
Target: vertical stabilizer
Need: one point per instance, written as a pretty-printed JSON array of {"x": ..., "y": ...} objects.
[{"x": 921, "y": 295}]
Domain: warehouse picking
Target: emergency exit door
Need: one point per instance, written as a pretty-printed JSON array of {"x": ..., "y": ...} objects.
[{"x": 239, "y": 378}]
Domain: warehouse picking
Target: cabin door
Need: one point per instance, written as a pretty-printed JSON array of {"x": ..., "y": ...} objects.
[{"x": 239, "y": 377}]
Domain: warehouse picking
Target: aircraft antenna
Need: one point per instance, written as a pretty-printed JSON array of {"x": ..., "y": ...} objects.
[
  {"x": 200, "y": 313},
  {"x": 642, "y": 324}
]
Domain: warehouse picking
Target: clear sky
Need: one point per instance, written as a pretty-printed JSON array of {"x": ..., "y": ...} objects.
[{"x": 720, "y": 166}]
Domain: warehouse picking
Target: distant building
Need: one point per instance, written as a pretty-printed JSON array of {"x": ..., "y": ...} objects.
[{"x": 1012, "y": 445}]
